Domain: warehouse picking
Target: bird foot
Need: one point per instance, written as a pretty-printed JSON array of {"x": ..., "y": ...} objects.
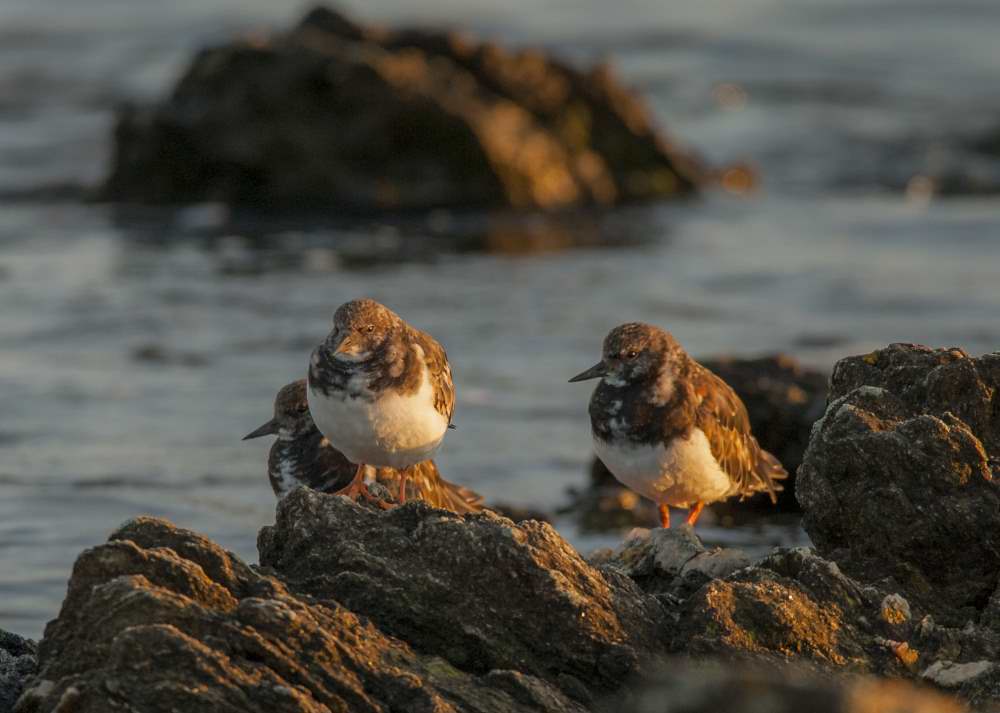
[{"x": 358, "y": 488}]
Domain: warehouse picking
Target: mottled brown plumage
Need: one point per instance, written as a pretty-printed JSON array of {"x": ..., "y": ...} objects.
[
  {"x": 303, "y": 456},
  {"x": 392, "y": 361},
  {"x": 380, "y": 390},
  {"x": 652, "y": 393},
  {"x": 720, "y": 413}
]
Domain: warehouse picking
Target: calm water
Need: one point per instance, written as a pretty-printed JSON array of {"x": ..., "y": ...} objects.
[{"x": 134, "y": 357}]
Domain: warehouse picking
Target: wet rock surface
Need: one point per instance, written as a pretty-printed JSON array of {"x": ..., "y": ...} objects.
[
  {"x": 783, "y": 399},
  {"x": 18, "y": 660},
  {"x": 897, "y": 484},
  {"x": 333, "y": 113}
]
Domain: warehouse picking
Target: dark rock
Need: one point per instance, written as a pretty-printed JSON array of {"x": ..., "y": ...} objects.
[
  {"x": 364, "y": 119},
  {"x": 417, "y": 609},
  {"x": 478, "y": 591},
  {"x": 783, "y": 399},
  {"x": 162, "y": 619},
  {"x": 18, "y": 661},
  {"x": 792, "y": 605},
  {"x": 795, "y": 608},
  {"x": 897, "y": 483}
]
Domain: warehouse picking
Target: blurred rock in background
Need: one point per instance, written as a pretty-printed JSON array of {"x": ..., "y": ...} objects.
[{"x": 365, "y": 119}]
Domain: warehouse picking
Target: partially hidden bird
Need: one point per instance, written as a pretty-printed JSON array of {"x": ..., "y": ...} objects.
[{"x": 301, "y": 455}]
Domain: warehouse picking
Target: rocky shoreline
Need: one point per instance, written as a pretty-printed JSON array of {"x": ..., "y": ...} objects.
[{"x": 420, "y": 609}]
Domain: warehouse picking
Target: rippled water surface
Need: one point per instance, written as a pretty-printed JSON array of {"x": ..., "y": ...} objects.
[{"x": 134, "y": 354}]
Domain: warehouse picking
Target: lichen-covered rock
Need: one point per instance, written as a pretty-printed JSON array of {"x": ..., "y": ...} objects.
[
  {"x": 897, "y": 484},
  {"x": 17, "y": 664},
  {"x": 336, "y": 114},
  {"x": 792, "y": 605},
  {"x": 476, "y": 590},
  {"x": 162, "y": 619},
  {"x": 783, "y": 399}
]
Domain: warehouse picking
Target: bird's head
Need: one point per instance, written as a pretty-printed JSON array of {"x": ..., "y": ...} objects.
[
  {"x": 360, "y": 327},
  {"x": 291, "y": 414},
  {"x": 635, "y": 353}
]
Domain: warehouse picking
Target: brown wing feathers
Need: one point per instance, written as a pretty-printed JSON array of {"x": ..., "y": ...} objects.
[
  {"x": 439, "y": 373},
  {"x": 724, "y": 420}
]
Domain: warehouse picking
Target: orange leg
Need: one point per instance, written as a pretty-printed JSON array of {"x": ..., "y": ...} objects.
[
  {"x": 694, "y": 512},
  {"x": 664, "y": 516},
  {"x": 404, "y": 475},
  {"x": 357, "y": 487}
]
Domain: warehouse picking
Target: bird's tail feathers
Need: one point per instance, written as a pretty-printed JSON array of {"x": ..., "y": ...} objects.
[
  {"x": 440, "y": 493},
  {"x": 769, "y": 470}
]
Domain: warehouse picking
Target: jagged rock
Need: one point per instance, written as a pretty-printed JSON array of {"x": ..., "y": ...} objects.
[
  {"x": 673, "y": 561},
  {"x": 162, "y": 619},
  {"x": 337, "y": 114},
  {"x": 792, "y": 604},
  {"x": 417, "y": 609},
  {"x": 18, "y": 660},
  {"x": 478, "y": 591},
  {"x": 783, "y": 399},
  {"x": 897, "y": 482}
]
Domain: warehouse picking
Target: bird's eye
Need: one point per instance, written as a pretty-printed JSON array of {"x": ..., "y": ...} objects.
[
  {"x": 370, "y": 328},
  {"x": 632, "y": 355}
]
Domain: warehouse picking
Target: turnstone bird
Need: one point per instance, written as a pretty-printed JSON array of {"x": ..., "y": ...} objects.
[
  {"x": 303, "y": 456},
  {"x": 670, "y": 429},
  {"x": 380, "y": 391}
]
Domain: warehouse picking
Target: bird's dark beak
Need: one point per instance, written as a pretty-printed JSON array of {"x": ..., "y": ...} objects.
[
  {"x": 595, "y": 372},
  {"x": 343, "y": 344},
  {"x": 268, "y": 429}
]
